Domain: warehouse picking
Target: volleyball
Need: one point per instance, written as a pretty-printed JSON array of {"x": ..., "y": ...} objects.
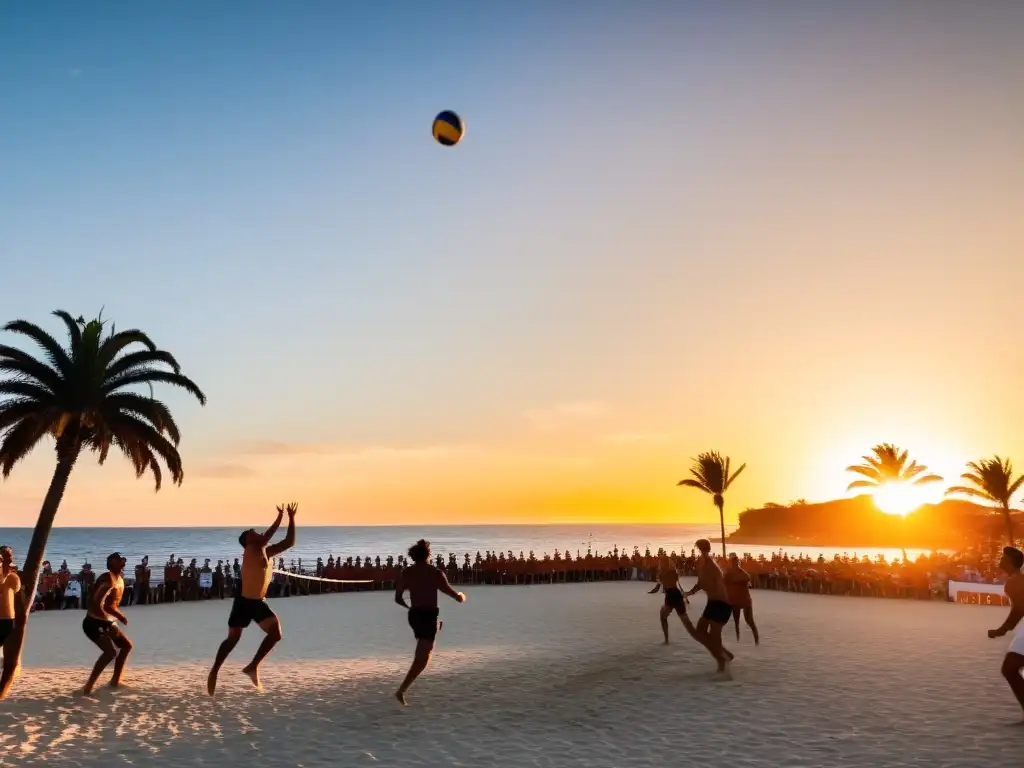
[{"x": 448, "y": 128}]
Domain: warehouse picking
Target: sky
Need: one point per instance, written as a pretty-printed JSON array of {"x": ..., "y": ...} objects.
[{"x": 784, "y": 231}]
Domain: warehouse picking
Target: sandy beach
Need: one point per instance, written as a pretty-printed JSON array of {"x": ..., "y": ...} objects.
[{"x": 530, "y": 676}]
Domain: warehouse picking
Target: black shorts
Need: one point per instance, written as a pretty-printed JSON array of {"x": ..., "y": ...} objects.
[
  {"x": 424, "y": 622},
  {"x": 246, "y": 610},
  {"x": 6, "y": 628},
  {"x": 96, "y": 628},
  {"x": 674, "y": 598},
  {"x": 717, "y": 611}
]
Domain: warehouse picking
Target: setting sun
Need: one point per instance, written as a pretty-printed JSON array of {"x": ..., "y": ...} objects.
[{"x": 899, "y": 498}]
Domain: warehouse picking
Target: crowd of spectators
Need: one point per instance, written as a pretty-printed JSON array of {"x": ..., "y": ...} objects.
[{"x": 923, "y": 578}]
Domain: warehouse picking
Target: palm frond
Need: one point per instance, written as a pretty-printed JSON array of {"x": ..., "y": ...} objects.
[
  {"x": 25, "y": 389},
  {"x": 19, "y": 409},
  {"x": 80, "y": 394},
  {"x": 874, "y": 461},
  {"x": 18, "y": 442},
  {"x": 734, "y": 475},
  {"x": 695, "y": 484},
  {"x": 131, "y": 429},
  {"x": 55, "y": 353},
  {"x": 890, "y": 464},
  {"x": 150, "y": 376},
  {"x": 991, "y": 479},
  {"x": 869, "y": 472},
  {"x": 973, "y": 477},
  {"x": 143, "y": 358},
  {"x": 153, "y": 411},
  {"x": 912, "y": 470},
  {"x": 22, "y": 364},
  {"x": 142, "y": 458},
  {"x": 966, "y": 490},
  {"x": 74, "y": 327},
  {"x": 115, "y": 343}
]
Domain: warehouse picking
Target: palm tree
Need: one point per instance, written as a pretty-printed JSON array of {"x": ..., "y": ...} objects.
[
  {"x": 888, "y": 464},
  {"x": 81, "y": 396},
  {"x": 992, "y": 480},
  {"x": 711, "y": 474}
]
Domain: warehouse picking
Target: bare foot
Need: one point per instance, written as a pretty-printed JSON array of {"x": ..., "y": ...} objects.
[
  {"x": 728, "y": 653},
  {"x": 254, "y": 675},
  {"x": 211, "y": 682},
  {"x": 115, "y": 684},
  {"x": 400, "y": 695},
  {"x": 9, "y": 682},
  {"x": 87, "y": 690},
  {"x": 726, "y": 672}
]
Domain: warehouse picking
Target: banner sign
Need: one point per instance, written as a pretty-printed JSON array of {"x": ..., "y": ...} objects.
[{"x": 977, "y": 594}]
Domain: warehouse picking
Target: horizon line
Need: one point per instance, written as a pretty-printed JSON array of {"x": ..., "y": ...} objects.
[{"x": 343, "y": 525}]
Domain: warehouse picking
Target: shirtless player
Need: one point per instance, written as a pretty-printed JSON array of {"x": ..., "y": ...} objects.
[
  {"x": 423, "y": 581},
  {"x": 100, "y": 622},
  {"x": 250, "y": 604},
  {"x": 11, "y": 612},
  {"x": 717, "y": 612},
  {"x": 737, "y": 585},
  {"x": 1013, "y": 663},
  {"x": 668, "y": 580}
]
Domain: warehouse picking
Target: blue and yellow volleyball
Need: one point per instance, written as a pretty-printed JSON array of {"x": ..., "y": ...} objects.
[{"x": 448, "y": 128}]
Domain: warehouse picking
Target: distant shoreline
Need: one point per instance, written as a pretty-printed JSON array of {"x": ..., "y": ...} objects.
[{"x": 781, "y": 541}]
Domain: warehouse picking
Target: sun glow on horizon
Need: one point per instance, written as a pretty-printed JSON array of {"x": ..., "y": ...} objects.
[{"x": 900, "y": 498}]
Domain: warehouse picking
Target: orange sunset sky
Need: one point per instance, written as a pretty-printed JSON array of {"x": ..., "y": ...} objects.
[{"x": 781, "y": 235}]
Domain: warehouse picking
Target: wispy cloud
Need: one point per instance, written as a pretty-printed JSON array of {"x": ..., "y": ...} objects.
[
  {"x": 564, "y": 415},
  {"x": 353, "y": 453},
  {"x": 227, "y": 471},
  {"x": 415, "y": 452},
  {"x": 277, "y": 448},
  {"x": 639, "y": 437}
]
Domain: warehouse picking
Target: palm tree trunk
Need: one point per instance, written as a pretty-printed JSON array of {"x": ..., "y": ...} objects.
[
  {"x": 36, "y": 549},
  {"x": 1009, "y": 523},
  {"x": 721, "y": 522}
]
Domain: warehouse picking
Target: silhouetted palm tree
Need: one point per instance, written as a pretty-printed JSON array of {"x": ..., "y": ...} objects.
[
  {"x": 992, "y": 480},
  {"x": 888, "y": 464},
  {"x": 711, "y": 474},
  {"x": 80, "y": 395}
]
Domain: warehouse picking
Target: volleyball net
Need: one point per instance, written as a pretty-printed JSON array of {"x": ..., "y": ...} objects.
[{"x": 321, "y": 579}]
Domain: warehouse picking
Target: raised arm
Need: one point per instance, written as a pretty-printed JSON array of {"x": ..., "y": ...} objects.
[
  {"x": 289, "y": 540},
  {"x": 1016, "y": 612},
  {"x": 445, "y": 588},
  {"x": 269, "y": 533},
  {"x": 400, "y": 590}
]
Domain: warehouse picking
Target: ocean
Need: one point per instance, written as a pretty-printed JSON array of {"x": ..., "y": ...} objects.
[{"x": 81, "y": 545}]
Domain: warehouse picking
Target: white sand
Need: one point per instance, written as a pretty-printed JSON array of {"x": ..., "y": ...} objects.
[{"x": 530, "y": 676}]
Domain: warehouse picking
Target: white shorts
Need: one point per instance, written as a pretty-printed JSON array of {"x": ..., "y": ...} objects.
[{"x": 1017, "y": 643}]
